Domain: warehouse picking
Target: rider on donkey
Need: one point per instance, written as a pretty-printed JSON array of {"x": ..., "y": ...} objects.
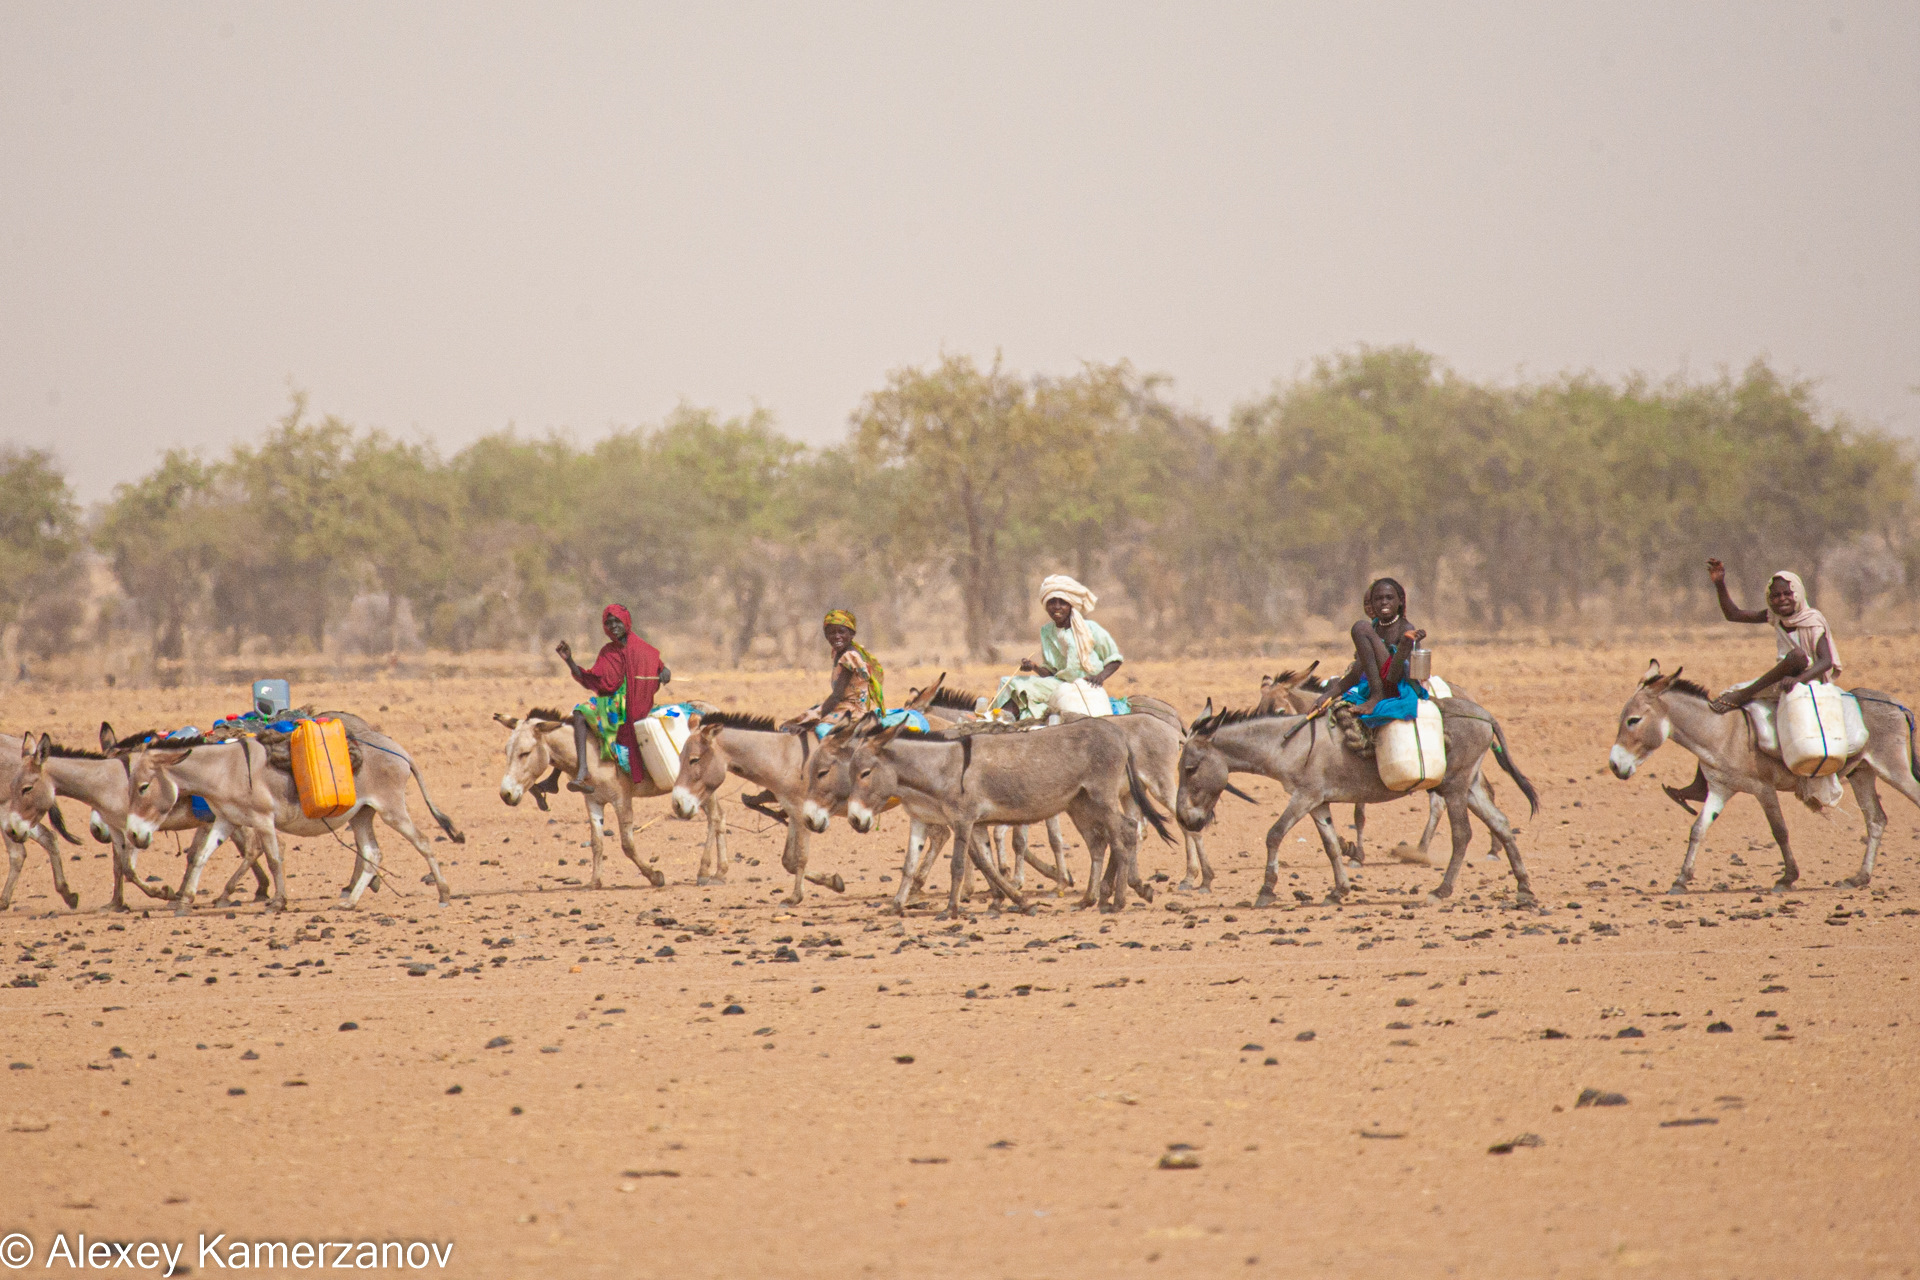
[
  {"x": 1072, "y": 647},
  {"x": 1803, "y": 643},
  {"x": 857, "y": 677},
  {"x": 1375, "y": 689},
  {"x": 625, "y": 678}
]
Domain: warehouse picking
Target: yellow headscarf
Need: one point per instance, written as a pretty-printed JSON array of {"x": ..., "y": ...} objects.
[{"x": 875, "y": 672}]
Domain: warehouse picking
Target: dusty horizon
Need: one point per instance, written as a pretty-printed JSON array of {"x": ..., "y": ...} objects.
[{"x": 441, "y": 221}]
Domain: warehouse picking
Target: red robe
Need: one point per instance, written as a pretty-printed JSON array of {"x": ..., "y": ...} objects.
[{"x": 634, "y": 663}]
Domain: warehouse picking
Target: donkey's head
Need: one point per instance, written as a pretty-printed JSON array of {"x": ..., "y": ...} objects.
[
  {"x": 829, "y": 773},
  {"x": 529, "y": 756},
  {"x": 1203, "y": 776},
  {"x": 32, "y": 794},
  {"x": 151, "y": 790},
  {"x": 1644, "y": 726},
  {"x": 703, "y": 768}
]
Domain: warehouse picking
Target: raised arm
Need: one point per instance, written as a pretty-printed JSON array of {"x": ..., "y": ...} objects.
[{"x": 1728, "y": 609}]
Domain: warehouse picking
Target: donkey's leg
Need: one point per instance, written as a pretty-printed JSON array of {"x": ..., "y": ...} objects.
[
  {"x": 910, "y": 868},
  {"x": 623, "y": 814},
  {"x": 1062, "y": 874},
  {"x": 1871, "y": 809},
  {"x": 16, "y": 859},
  {"x": 1330, "y": 840},
  {"x": 596, "y": 815},
  {"x": 1298, "y": 807},
  {"x": 1097, "y": 851},
  {"x": 1462, "y": 832},
  {"x": 249, "y": 861},
  {"x": 716, "y": 870},
  {"x": 205, "y": 841},
  {"x": 366, "y": 858},
  {"x": 1481, "y": 804},
  {"x": 937, "y": 837},
  {"x": 1355, "y": 849},
  {"x": 1717, "y": 797},
  {"x": 1197, "y": 852},
  {"x": 1435, "y": 807},
  {"x": 977, "y": 854},
  {"x": 45, "y": 836},
  {"x": 794, "y": 856},
  {"x": 1789, "y": 869},
  {"x": 402, "y": 821},
  {"x": 269, "y": 835},
  {"x": 962, "y": 851}
]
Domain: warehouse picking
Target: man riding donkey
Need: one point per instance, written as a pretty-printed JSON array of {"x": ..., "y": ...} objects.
[
  {"x": 623, "y": 680},
  {"x": 1803, "y": 644},
  {"x": 1072, "y": 647}
]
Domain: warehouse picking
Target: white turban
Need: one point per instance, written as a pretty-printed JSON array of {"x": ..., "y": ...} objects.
[{"x": 1061, "y": 587}]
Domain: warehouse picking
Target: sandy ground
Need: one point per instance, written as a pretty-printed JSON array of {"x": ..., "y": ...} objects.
[{"x": 564, "y": 1090}]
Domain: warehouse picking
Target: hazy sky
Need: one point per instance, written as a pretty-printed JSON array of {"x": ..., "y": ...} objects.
[{"x": 442, "y": 219}]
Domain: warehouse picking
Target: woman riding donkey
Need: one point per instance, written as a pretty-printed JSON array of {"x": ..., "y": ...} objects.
[
  {"x": 1803, "y": 643},
  {"x": 1375, "y": 689},
  {"x": 857, "y": 677},
  {"x": 624, "y": 680},
  {"x": 1072, "y": 647}
]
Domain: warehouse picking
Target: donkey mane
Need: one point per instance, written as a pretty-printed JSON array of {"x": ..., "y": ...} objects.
[
  {"x": 74, "y": 753},
  {"x": 133, "y": 740},
  {"x": 956, "y": 699},
  {"x": 1680, "y": 684},
  {"x": 545, "y": 713},
  {"x": 1221, "y": 719},
  {"x": 740, "y": 720}
]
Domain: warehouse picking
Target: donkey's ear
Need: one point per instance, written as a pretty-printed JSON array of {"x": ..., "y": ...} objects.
[
  {"x": 1208, "y": 709},
  {"x": 512, "y": 722},
  {"x": 106, "y": 736},
  {"x": 42, "y": 749},
  {"x": 26, "y": 745},
  {"x": 1304, "y": 675},
  {"x": 1653, "y": 672},
  {"x": 168, "y": 759},
  {"x": 1266, "y": 683}
]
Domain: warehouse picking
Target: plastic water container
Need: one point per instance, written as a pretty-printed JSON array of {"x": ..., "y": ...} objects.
[
  {"x": 271, "y": 697},
  {"x": 322, "y": 768},
  {"x": 1412, "y": 754},
  {"x": 1812, "y": 722},
  {"x": 659, "y": 753},
  {"x": 1081, "y": 696}
]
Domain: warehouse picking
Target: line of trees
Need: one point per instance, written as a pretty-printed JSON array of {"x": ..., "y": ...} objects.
[{"x": 957, "y": 486}]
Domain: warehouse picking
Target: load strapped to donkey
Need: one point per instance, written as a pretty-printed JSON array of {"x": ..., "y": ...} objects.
[{"x": 316, "y": 749}]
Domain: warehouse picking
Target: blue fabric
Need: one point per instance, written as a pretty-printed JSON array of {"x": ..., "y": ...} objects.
[
  {"x": 623, "y": 758},
  {"x": 201, "y": 809},
  {"x": 1403, "y": 706},
  {"x": 915, "y": 721},
  {"x": 1121, "y": 707}
]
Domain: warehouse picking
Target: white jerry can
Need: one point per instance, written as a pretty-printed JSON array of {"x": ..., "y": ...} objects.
[
  {"x": 661, "y": 735},
  {"x": 1812, "y": 722},
  {"x": 1412, "y": 754},
  {"x": 1081, "y": 696}
]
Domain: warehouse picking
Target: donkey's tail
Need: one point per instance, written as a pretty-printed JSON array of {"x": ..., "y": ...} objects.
[
  {"x": 1145, "y": 802},
  {"x": 446, "y": 824},
  {"x": 1505, "y": 757}
]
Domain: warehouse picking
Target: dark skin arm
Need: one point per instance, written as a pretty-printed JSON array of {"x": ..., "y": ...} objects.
[
  {"x": 1728, "y": 609},
  {"x": 616, "y": 633}
]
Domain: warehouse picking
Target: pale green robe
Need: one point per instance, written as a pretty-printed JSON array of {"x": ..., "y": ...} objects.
[{"x": 1057, "y": 650}]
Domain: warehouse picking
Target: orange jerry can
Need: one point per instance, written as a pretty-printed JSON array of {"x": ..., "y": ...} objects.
[{"x": 322, "y": 769}]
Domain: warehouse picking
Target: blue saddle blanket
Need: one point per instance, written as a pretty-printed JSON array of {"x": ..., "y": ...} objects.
[{"x": 1404, "y": 705}]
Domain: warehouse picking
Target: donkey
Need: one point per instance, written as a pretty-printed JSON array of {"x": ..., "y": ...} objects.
[
  {"x": 1301, "y": 692},
  {"x": 1318, "y": 771},
  {"x": 542, "y": 741},
  {"x": 1665, "y": 706},
  {"x": 102, "y": 784},
  {"x": 245, "y": 793},
  {"x": 1084, "y": 768},
  {"x": 753, "y": 747},
  {"x": 13, "y": 752}
]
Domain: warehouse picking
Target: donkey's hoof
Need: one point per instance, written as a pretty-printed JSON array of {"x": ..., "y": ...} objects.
[
  {"x": 1679, "y": 887},
  {"x": 655, "y": 878},
  {"x": 71, "y": 899},
  {"x": 1858, "y": 880},
  {"x": 709, "y": 881},
  {"x": 1145, "y": 890},
  {"x": 1264, "y": 900},
  {"x": 1525, "y": 898},
  {"x": 1185, "y": 886}
]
